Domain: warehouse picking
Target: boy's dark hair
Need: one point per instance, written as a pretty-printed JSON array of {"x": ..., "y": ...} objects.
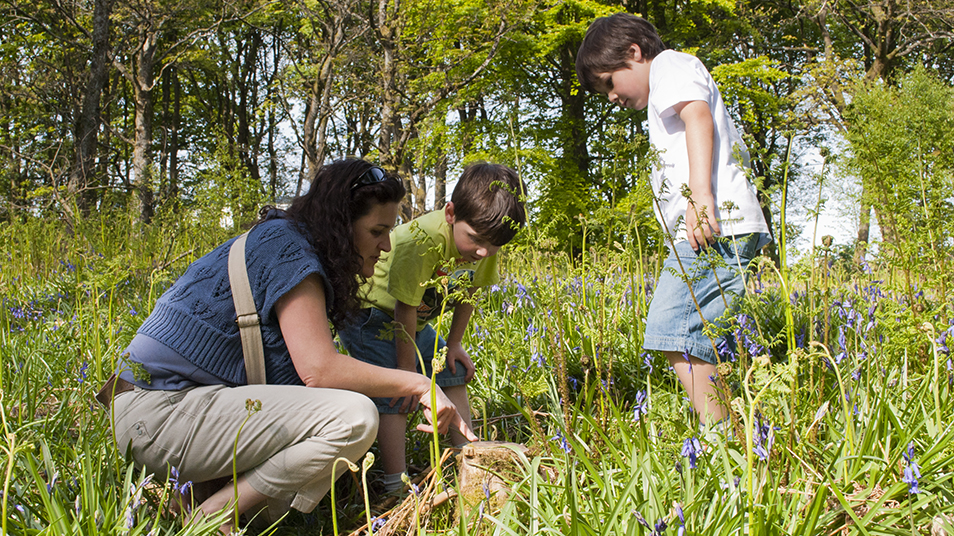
[
  {"x": 489, "y": 198},
  {"x": 607, "y": 47}
]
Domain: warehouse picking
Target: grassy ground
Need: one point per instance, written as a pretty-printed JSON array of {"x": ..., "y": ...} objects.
[{"x": 840, "y": 391}]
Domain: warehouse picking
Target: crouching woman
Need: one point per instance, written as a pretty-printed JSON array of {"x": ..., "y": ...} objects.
[{"x": 181, "y": 389}]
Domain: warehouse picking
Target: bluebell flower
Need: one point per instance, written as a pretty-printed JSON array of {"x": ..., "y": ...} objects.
[
  {"x": 641, "y": 407},
  {"x": 691, "y": 448},
  {"x": 564, "y": 444},
  {"x": 941, "y": 342},
  {"x": 377, "y": 523},
  {"x": 745, "y": 334},
  {"x": 912, "y": 472},
  {"x": 724, "y": 348},
  {"x": 538, "y": 359},
  {"x": 642, "y": 520},
  {"x": 179, "y": 487},
  {"x": 648, "y": 361},
  {"x": 800, "y": 339},
  {"x": 657, "y": 530},
  {"x": 911, "y": 475},
  {"x": 764, "y": 438},
  {"x": 682, "y": 521}
]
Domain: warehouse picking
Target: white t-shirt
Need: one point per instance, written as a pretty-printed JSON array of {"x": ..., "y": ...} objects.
[{"x": 676, "y": 77}]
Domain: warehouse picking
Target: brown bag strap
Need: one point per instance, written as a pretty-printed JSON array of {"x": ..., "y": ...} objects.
[{"x": 247, "y": 315}]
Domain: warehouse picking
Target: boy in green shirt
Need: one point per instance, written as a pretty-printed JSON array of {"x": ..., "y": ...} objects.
[{"x": 459, "y": 242}]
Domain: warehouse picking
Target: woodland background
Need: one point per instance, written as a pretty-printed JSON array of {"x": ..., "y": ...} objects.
[{"x": 177, "y": 108}]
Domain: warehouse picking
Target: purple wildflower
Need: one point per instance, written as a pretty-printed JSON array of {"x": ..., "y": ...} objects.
[
  {"x": 691, "y": 448},
  {"x": 912, "y": 472},
  {"x": 642, "y": 405},
  {"x": 377, "y": 523},
  {"x": 82, "y": 372},
  {"x": 564, "y": 444},
  {"x": 538, "y": 359},
  {"x": 685, "y": 355},
  {"x": 179, "y": 487},
  {"x": 764, "y": 438},
  {"x": 911, "y": 475},
  {"x": 682, "y": 521},
  {"x": 724, "y": 348}
]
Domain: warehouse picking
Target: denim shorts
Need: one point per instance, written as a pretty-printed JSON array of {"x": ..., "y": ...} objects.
[
  {"x": 369, "y": 338},
  {"x": 673, "y": 322}
]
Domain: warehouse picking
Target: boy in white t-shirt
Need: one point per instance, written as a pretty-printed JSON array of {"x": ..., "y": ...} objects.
[{"x": 705, "y": 203}]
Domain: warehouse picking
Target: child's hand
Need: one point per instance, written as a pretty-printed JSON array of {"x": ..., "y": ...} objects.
[
  {"x": 444, "y": 415},
  {"x": 457, "y": 354},
  {"x": 702, "y": 229},
  {"x": 408, "y": 404}
]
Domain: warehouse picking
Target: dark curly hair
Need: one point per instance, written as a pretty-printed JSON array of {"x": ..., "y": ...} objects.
[{"x": 327, "y": 213}]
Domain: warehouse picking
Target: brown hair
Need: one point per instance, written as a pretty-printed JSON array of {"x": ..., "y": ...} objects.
[
  {"x": 489, "y": 198},
  {"x": 328, "y": 212},
  {"x": 607, "y": 47}
]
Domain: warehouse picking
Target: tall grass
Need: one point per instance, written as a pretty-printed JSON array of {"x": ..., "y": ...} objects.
[{"x": 832, "y": 406}]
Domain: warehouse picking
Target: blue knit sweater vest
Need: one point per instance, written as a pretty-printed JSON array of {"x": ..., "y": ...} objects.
[{"x": 196, "y": 316}]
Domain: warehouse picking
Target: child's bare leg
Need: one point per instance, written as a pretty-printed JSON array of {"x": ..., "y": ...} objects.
[
  {"x": 696, "y": 377},
  {"x": 458, "y": 395},
  {"x": 226, "y": 497},
  {"x": 392, "y": 432}
]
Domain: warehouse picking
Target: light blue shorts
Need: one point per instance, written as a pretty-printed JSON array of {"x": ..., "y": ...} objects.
[
  {"x": 673, "y": 322},
  {"x": 369, "y": 338}
]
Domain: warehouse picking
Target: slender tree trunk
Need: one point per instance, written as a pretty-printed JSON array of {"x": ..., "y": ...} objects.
[
  {"x": 142, "y": 146},
  {"x": 88, "y": 122},
  {"x": 440, "y": 181},
  {"x": 172, "y": 192},
  {"x": 315, "y": 129},
  {"x": 387, "y": 29}
]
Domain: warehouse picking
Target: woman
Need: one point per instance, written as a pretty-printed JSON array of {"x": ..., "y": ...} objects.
[{"x": 181, "y": 392}]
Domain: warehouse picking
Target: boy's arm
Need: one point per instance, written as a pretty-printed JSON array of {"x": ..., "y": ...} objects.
[
  {"x": 701, "y": 225},
  {"x": 455, "y": 350},
  {"x": 405, "y": 315},
  {"x": 406, "y": 351}
]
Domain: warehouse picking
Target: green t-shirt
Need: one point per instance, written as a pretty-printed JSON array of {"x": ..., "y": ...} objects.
[{"x": 422, "y": 250}]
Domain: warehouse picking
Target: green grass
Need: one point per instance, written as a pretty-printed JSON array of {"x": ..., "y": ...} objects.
[{"x": 559, "y": 368}]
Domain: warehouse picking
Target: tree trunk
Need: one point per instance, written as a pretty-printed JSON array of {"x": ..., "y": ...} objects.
[
  {"x": 87, "y": 124},
  {"x": 440, "y": 181},
  {"x": 864, "y": 229},
  {"x": 142, "y": 146},
  {"x": 315, "y": 129}
]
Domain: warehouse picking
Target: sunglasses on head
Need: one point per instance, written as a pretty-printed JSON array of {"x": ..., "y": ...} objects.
[{"x": 373, "y": 175}]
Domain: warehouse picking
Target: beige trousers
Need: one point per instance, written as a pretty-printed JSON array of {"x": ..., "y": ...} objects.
[{"x": 286, "y": 449}]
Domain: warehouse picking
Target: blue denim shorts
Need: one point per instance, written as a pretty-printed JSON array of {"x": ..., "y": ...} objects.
[
  {"x": 370, "y": 338},
  {"x": 673, "y": 322}
]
